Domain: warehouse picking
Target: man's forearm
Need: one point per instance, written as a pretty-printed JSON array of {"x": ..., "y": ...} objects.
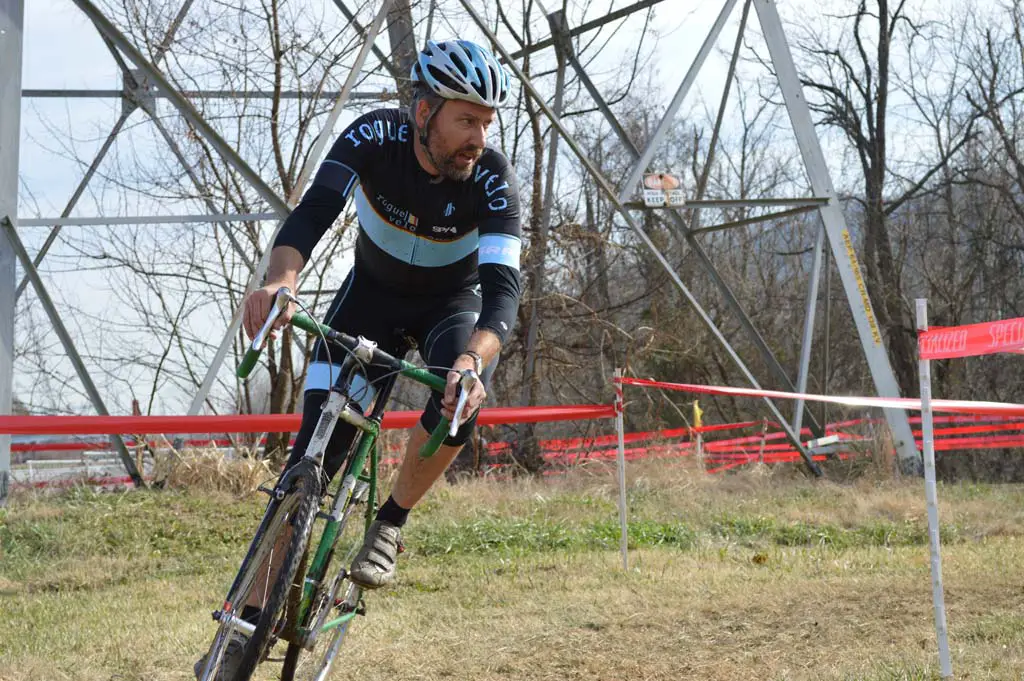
[
  {"x": 285, "y": 265},
  {"x": 486, "y": 344}
]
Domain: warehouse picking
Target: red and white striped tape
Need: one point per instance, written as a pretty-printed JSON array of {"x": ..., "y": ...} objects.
[{"x": 948, "y": 406}]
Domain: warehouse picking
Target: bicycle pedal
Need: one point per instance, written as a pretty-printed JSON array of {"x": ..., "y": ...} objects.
[{"x": 323, "y": 515}]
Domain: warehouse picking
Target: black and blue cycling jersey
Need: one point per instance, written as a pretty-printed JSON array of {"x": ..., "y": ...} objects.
[
  {"x": 418, "y": 234},
  {"x": 435, "y": 259}
]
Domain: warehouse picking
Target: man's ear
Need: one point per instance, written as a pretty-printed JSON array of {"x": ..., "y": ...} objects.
[{"x": 422, "y": 111}]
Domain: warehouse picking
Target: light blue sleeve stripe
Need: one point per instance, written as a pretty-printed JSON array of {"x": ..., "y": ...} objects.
[
  {"x": 500, "y": 249},
  {"x": 337, "y": 176},
  {"x": 339, "y": 163},
  {"x": 352, "y": 180}
]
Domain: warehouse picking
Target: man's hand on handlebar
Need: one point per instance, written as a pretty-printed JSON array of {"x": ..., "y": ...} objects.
[
  {"x": 258, "y": 306},
  {"x": 475, "y": 398}
]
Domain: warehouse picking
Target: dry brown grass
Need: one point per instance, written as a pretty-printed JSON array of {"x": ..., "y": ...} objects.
[
  {"x": 727, "y": 607},
  {"x": 710, "y": 616},
  {"x": 209, "y": 470},
  {"x": 673, "y": 616}
]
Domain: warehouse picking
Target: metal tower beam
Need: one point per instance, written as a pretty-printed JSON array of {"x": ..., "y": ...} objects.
[
  {"x": 10, "y": 232},
  {"x": 73, "y": 201},
  {"x": 311, "y": 160},
  {"x": 393, "y": 71},
  {"x": 128, "y": 106},
  {"x": 101, "y": 220},
  {"x": 674, "y": 217},
  {"x": 734, "y": 203},
  {"x": 153, "y": 74},
  {"x": 757, "y": 219},
  {"x": 610, "y": 192},
  {"x": 808, "y": 337},
  {"x": 209, "y": 94},
  {"x": 838, "y": 233},
  {"x": 583, "y": 28},
  {"x": 12, "y": 15}
]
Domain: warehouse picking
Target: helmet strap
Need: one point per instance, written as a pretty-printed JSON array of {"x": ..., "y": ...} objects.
[{"x": 424, "y": 134}]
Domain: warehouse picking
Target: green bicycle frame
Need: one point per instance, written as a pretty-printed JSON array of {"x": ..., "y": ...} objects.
[
  {"x": 355, "y": 469},
  {"x": 318, "y": 567}
]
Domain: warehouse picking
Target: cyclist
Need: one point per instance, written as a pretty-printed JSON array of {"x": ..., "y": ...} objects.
[{"x": 436, "y": 262}]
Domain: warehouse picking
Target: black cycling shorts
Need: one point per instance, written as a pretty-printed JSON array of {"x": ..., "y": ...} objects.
[{"x": 440, "y": 325}]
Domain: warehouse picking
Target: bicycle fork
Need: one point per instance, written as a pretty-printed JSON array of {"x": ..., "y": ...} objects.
[{"x": 354, "y": 487}]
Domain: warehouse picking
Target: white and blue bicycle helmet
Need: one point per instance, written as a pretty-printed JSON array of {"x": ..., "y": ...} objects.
[{"x": 460, "y": 69}]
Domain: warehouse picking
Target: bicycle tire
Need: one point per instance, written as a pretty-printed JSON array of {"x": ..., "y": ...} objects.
[
  {"x": 265, "y": 538},
  {"x": 305, "y": 486},
  {"x": 317, "y": 661}
]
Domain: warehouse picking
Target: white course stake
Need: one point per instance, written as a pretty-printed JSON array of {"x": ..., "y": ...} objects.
[
  {"x": 620, "y": 460},
  {"x": 928, "y": 438}
]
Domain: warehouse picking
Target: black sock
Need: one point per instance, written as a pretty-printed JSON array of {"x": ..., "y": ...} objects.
[
  {"x": 251, "y": 614},
  {"x": 392, "y": 513}
]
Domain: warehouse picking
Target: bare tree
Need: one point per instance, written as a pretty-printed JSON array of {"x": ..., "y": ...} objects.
[
  {"x": 851, "y": 79},
  {"x": 175, "y": 279},
  {"x": 996, "y": 94}
]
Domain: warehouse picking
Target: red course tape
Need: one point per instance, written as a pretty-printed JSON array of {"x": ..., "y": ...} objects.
[
  {"x": 971, "y": 340},
  {"x": 267, "y": 423}
]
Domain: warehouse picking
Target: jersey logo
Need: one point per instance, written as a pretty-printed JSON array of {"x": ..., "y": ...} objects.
[
  {"x": 449, "y": 209},
  {"x": 378, "y": 131},
  {"x": 492, "y": 185},
  {"x": 399, "y": 217}
]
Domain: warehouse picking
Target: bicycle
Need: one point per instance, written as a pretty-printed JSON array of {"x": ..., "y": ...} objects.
[{"x": 311, "y": 603}]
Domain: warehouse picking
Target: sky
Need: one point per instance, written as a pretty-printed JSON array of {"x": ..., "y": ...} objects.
[{"x": 63, "y": 50}]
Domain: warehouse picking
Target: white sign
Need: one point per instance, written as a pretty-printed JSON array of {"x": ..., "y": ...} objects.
[{"x": 663, "y": 189}]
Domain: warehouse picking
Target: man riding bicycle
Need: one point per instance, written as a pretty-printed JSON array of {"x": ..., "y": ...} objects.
[{"x": 436, "y": 265}]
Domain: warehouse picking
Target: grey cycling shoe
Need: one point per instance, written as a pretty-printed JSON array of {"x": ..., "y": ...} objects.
[
  {"x": 374, "y": 565},
  {"x": 231, "y": 661}
]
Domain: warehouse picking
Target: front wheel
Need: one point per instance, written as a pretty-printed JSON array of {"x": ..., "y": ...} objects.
[
  {"x": 337, "y": 603},
  {"x": 302, "y": 498},
  {"x": 269, "y": 541}
]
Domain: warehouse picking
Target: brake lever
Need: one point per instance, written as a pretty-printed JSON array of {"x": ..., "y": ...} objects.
[
  {"x": 281, "y": 300},
  {"x": 466, "y": 383}
]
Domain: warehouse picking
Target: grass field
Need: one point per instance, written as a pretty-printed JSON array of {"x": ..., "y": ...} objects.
[{"x": 751, "y": 576}]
